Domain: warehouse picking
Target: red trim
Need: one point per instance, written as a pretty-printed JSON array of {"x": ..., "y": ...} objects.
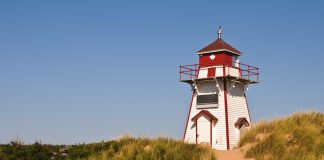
[
  {"x": 196, "y": 131},
  {"x": 211, "y": 132},
  {"x": 185, "y": 131},
  {"x": 204, "y": 112},
  {"x": 189, "y": 72},
  {"x": 247, "y": 106},
  {"x": 241, "y": 121},
  {"x": 193, "y": 94},
  {"x": 211, "y": 72},
  {"x": 226, "y": 115},
  {"x": 212, "y": 120}
]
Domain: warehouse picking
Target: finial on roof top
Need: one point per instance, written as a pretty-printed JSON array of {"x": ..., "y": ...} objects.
[{"x": 219, "y": 32}]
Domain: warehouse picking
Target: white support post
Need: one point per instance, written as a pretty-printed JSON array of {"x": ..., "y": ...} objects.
[
  {"x": 195, "y": 85},
  {"x": 245, "y": 87},
  {"x": 231, "y": 86},
  {"x": 217, "y": 85}
]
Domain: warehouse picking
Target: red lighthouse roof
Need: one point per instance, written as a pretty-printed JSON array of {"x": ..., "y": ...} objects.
[{"x": 219, "y": 45}]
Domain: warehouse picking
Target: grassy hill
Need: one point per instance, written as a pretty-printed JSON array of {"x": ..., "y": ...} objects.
[
  {"x": 298, "y": 137},
  {"x": 126, "y": 148}
]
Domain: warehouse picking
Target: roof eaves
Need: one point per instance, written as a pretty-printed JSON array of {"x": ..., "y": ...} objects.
[
  {"x": 218, "y": 50},
  {"x": 204, "y": 112}
]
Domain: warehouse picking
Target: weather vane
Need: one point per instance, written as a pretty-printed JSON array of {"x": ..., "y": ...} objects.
[{"x": 219, "y": 32}]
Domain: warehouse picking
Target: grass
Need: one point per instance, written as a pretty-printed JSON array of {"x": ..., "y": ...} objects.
[
  {"x": 298, "y": 137},
  {"x": 157, "y": 149},
  {"x": 126, "y": 148}
]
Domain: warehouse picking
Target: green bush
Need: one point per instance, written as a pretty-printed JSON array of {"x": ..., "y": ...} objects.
[{"x": 35, "y": 151}]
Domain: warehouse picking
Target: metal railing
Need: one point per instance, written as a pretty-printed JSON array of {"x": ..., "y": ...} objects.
[
  {"x": 247, "y": 72},
  {"x": 190, "y": 72}
]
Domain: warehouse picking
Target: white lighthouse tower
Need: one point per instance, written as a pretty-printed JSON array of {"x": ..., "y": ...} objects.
[{"x": 218, "y": 112}]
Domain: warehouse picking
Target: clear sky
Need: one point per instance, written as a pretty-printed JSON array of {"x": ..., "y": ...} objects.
[{"x": 83, "y": 71}]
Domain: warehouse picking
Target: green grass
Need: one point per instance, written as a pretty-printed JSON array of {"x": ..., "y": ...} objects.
[
  {"x": 298, "y": 137},
  {"x": 126, "y": 148}
]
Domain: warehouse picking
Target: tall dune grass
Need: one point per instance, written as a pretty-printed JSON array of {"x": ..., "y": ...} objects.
[
  {"x": 157, "y": 149},
  {"x": 126, "y": 148},
  {"x": 298, "y": 137}
]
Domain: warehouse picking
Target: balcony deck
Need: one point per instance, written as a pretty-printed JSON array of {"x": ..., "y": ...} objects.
[{"x": 236, "y": 71}]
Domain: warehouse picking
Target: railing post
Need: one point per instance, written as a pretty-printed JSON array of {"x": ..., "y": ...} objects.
[
  {"x": 196, "y": 71},
  {"x": 249, "y": 72},
  {"x": 180, "y": 73},
  {"x": 258, "y": 74},
  {"x": 224, "y": 71}
]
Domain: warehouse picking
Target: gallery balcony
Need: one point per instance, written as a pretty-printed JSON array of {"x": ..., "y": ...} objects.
[{"x": 238, "y": 71}]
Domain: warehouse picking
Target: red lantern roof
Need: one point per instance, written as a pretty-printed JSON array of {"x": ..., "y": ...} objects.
[{"x": 217, "y": 46}]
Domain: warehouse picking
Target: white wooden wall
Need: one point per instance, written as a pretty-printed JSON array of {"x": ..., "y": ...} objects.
[
  {"x": 237, "y": 108},
  {"x": 203, "y": 72},
  {"x": 219, "y": 130}
]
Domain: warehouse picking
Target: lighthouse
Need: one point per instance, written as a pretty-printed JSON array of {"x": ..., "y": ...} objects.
[{"x": 218, "y": 113}]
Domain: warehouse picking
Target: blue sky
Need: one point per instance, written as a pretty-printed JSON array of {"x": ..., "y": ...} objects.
[{"x": 84, "y": 71}]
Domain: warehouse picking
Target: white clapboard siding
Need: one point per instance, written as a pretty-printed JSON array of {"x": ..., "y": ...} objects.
[
  {"x": 236, "y": 104},
  {"x": 203, "y": 73},
  {"x": 218, "y": 130},
  {"x": 219, "y": 72},
  {"x": 234, "y": 72},
  {"x": 237, "y": 108}
]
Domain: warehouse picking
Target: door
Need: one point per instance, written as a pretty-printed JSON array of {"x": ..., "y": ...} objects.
[
  {"x": 203, "y": 130},
  {"x": 240, "y": 131}
]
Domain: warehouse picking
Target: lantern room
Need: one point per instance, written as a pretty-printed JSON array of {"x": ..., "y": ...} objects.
[{"x": 218, "y": 53}]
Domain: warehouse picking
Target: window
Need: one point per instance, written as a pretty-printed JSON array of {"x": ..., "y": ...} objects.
[
  {"x": 235, "y": 61},
  {"x": 207, "y": 101}
]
